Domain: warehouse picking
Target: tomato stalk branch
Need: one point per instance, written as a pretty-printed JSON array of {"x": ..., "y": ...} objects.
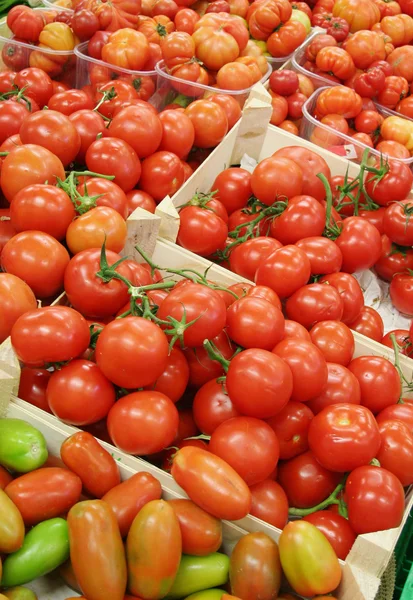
[
  {"x": 408, "y": 385},
  {"x": 215, "y": 354},
  {"x": 333, "y": 498}
]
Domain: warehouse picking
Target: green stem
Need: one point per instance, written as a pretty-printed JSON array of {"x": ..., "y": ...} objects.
[
  {"x": 214, "y": 354},
  {"x": 332, "y": 499}
]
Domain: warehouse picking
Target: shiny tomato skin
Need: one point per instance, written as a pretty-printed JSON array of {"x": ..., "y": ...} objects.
[
  {"x": 248, "y": 445},
  {"x": 97, "y": 469},
  {"x": 393, "y": 260},
  {"x": 162, "y": 175},
  {"x": 139, "y": 127},
  {"x": 276, "y": 177},
  {"x": 201, "y": 533},
  {"x": 379, "y": 380},
  {"x": 259, "y": 383},
  {"x": 137, "y": 367},
  {"x": 108, "y": 194},
  {"x": 350, "y": 292},
  {"x": 153, "y": 550},
  {"x": 89, "y": 124},
  {"x": 285, "y": 271},
  {"x": 79, "y": 393},
  {"x": 5, "y": 478},
  {"x": 12, "y": 525},
  {"x": 253, "y": 322},
  {"x": 397, "y": 412},
  {"x": 94, "y": 228},
  {"x": 56, "y": 334},
  {"x": 292, "y": 329},
  {"x": 234, "y": 188},
  {"x": 211, "y": 483},
  {"x": 369, "y": 323},
  {"x": 349, "y": 427},
  {"x": 336, "y": 529},
  {"x": 37, "y": 84},
  {"x": 269, "y": 503},
  {"x": 395, "y": 185},
  {"x": 44, "y": 494},
  {"x": 96, "y": 550},
  {"x": 304, "y": 217},
  {"x": 174, "y": 379},
  {"x": 127, "y": 498},
  {"x": 212, "y": 406},
  {"x": 16, "y": 298},
  {"x": 143, "y": 422},
  {"x": 291, "y": 426},
  {"x": 401, "y": 293},
  {"x": 396, "y": 450},
  {"x": 324, "y": 255},
  {"x": 310, "y": 164},
  {"x": 305, "y": 481},
  {"x": 335, "y": 340},
  {"x": 308, "y": 367},
  {"x": 360, "y": 244},
  {"x": 201, "y": 368},
  {"x": 255, "y": 568},
  {"x": 375, "y": 499},
  {"x": 342, "y": 388},
  {"x": 111, "y": 156},
  {"x": 248, "y": 256},
  {"x": 313, "y": 303},
  {"x": 37, "y": 258},
  {"x": 201, "y": 231}
]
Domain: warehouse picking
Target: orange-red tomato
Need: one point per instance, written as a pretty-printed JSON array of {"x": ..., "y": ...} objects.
[
  {"x": 286, "y": 39},
  {"x": 359, "y": 14},
  {"x": 11, "y": 526},
  {"x": 365, "y": 47},
  {"x": 215, "y": 47},
  {"x": 401, "y": 59},
  {"x": 201, "y": 532},
  {"x": 153, "y": 549},
  {"x": 101, "y": 224},
  {"x": 127, "y": 498},
  {"x": 399, "y": 28},
  {"x": 5, "y": 478},
  {"x": 339, "y": 100},
  {"x": 126, "y": 48},
  {"x": 96, "y": 550}
]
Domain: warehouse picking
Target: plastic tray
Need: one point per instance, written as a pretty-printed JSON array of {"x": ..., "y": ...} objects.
[
  {"x": 338, "y": 142},
  {"x": 86, "y": 63},
  {"x": 24, "y": 50},
  {"x": 55, "y": 6},
  {"x": 277, "y": 63},
  {"x": 298, "y": 60},
  {"x": 169, "y": 87}
]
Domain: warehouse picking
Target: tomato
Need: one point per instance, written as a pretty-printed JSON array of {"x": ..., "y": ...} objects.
[
  {"x": 12, "y": 526},
  {"x": 304, "y": 217},
  {"x": 5, "y": 478},
  {"x": 99, "y": 225},
  {"x": 397, "y": 224},
  {"x": 140, "y": 128},
  {"x": 42, "y": 208},
  {"x": 201, "y": 368},
  {"x": 274, "y": 177},
  {"x": 313, "y": 303},
  {"x": 37, "y": 84},
  {"x": 16, "y": 299},
  {"x": 247, "y": 374},
  {"x": 395, "y": 185},
  {"x": 201, "y": 230},
  {"x": 310, "y": 163},
  {"x": 397, "y": 412},
  {"x": 139, "y": 199},
  {"x": 395, "y": 451},
  {"x": 255, "y": 567},
  {"x": 375, "y": 499},
  {"x": 96, "y": 550},
  {"x": 127, "y": 49},
  {"x": 89, "y": 124},
  {"x": 338, "y": 100},
  {"x": 70, "y": 101},
  {"x": 301, "y": 543},
  {"x": 279, "y": 109},
  {"x": 84, "y": 24},
  {"x": 112, "y": 156},
  {"x": 210, "y": 123},
  {"x": 198, "y": 574},
  {"x": 342, "y": 388},
  {"x": 231, "y": 107},
  {"x": 212, "y": 406},
  {"x": 234, "y": 188},
  {"x": 336, "y": 529},
  {"x": 44, "y": 494},
  {"x": 352, "y": 428},
  {"x": 291, "y": 427},
  {"x": 201, "y": 533},
  {"x": 253, "y": 322},
  {"x": 174, "y": 379},
  {"x": 23, "y": 448},
  {"x": 32, "y": 387},
  {"x": 26, "y": 165},
  {"x": 269, "y": 503},
  {"x": 12, "y": 115},
  {"x": 379, "y": 382},
  {"x": 103, "y": 193},
  {"x": 248, "y": 256},
  {"x": 360, "y": 244},
  {"x": 402, "y": 341},
  {"x": 369, "y": 323},
  {"x": 365, "y": 47},
  {"x": 284, "y": 82},
  {"x": 45, "y": 547},
  {"x": 359, "y": 16},
  {"x": 25, "y": 23},
  {"x": 336, "y": 61},
  {"x": 335, "y": 340},
  {"x": 320, "y": 41},
  {"x": 286, "y": 38},
  {"x": 369, "y": 84},
  {"x": 396, "y": 88},
  {"x": 162, "y": 175},
  {"x": 192, "y": 469},
  {"x": 324, "y": 255},
  {"x": 401, "y": 293},
  {"x": 185, "y": 20},
  {"x": 285, "y": 271},
  {"x": 97, "y": 469},
  {"x": 37, "y": 258}
]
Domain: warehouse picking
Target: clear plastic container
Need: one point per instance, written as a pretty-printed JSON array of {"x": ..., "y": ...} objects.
[
  {"x": 55, "y": 6},
  {"x": 324, "y": 136},
  {"x": 277, "y": 63},
  {"x": 298, "y": 61},
  {"x": 16, "y": 56},
  {"x": 86, "y": 64},
  {"x": 170, "y": 87}
]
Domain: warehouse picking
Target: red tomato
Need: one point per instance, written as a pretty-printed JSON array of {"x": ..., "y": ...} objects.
[
  {"x": 178, "y": 133},
  {"x": 375, "y": 500},
  {"x": 336, "y": 529},
  {"x": 305, "y": 481},
  {"x": 342, "y": 388},
  {"x": 201, "y": 533},
  {"x": 139, "y": 127},
  {"x": 397, "y": 412},
  {"x": 44, "y": 494},
  {"x": 379, "y": 380},
  {"x": 5, "y": 478},
  {"x": 259, "y": 383},
  {"x": 139, "y": 199},
  {"x": 79, "y": 393},
  {"x": 210, "y": 123},
  {"x": 253, "y": 322},
  {"x": 369, "y": 323},
  {"x": 201, "y": 230},
  {"x": 50, "y": 335},
  {"x": 212, "y": 406},
  {"x": 174, "y": 379},
  {"x": 162, "y": 175},
  {"x": 313, "y": 303},
  {"x": 401, "y": 293},
  {"x": 245, "y": 258},
  {"x": 248, "y": 445},
  {"x": 106, "y": 193},
  {"x": 291, "y": 426},
  {"x": 347, "y": 427},
  {"x": 37, "y": 85},
  {"x": 97, "y": 469},
  {"x": 269, "y": 503},
  {"x": 308, "y": 367},
  {"x": 360, "y": 244},
  {"x": 127, "y": 498},
  {"x": 393, "y": 260},
  {"x": 201, "y": 368},
  {"x": 397, "y": 223},
  {"x": 111, "y": 156},
  {"x": 32, "y": 387},
  {"x": 394, "y": 185},
  {"x": 70, "y": 101},
  {"x": 16, "y": 298},
  {"x": 335, "y": 340},
  {"x": 304, "y": 217},
  {"x": 211, "y": 483},
  {"x": 89, "y": 124},
  {"x": 274, "y": 177},
  {"x": 395, "y": 452},
  {"x": 234, "y": 188},
  {"x": 143, "y": 422},
  {"x": 285, "y": 271}
]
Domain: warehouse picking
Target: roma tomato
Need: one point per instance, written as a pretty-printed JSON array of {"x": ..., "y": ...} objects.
[
  {"x": 83, "y": 455},
  {"x": 375, "y": 499},
  {"x": 255, "y": 568},
  {"x": 49, "y": 335},
  {"x": 16, "y": 298},
  {"x": 44, "y": 494},
  {"x": 22, "y": 448},
  {"x": 320, "y": 571},
  {"x": 291, "y": 426},
  {"x": 12, "y": 525},
  {"x": 153, "y": 550},
  {"x": 198, "y": 574},
  {"x": 96, "y": 550},
  {"x": 336, "y": 529},
  {"x": 211, "y": 483},
  {"x": 143, "y": 422},
  {"x": 269, "y": 503},
  {"x": 379, "y": 380},
  {"x": 82, "y": 405},
  {"x": 351, "y": 428},
  {"x": 201, "y": 533}
]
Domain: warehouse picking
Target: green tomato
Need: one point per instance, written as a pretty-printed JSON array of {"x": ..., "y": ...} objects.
[
  {"x": 20, "y": 593},
  {"x": 213, "y": 594},
  {"x": 45, "y": 547},
  {"x": 22, "y": 447},
  {"x": 197, "y": 573},
  {"x": 299, "y": 15},
  {"x": 261, "y": 44}
]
